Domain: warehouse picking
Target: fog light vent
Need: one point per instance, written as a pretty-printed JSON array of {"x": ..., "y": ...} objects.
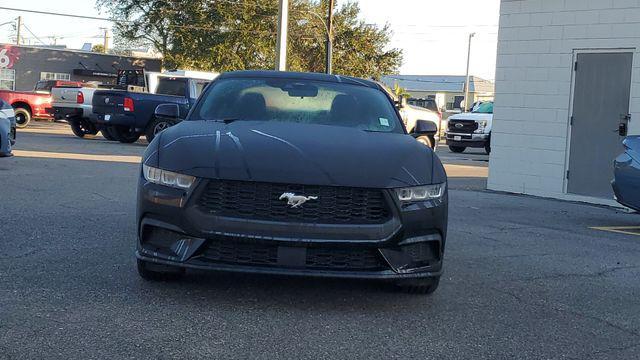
[
  {"x": 173, "y": 245},
  {"x": 422, "y": 254}
]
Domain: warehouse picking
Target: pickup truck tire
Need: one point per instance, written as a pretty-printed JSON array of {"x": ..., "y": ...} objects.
[
  {"x": 82, "y": 128},
  {"x": 425, "y": 140},
  {"x": 457, "y": 149},
  {"x": 106, "y": 134},
  {"x": 419, "y": 286},
  {"x": 157, "y": 126},
  {"x": 124, "y": 134},
  {"x": 23, "y": 117}
]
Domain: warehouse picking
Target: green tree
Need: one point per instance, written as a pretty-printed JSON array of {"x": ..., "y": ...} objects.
[
  {"x": 224, "y": 35},
  {"x": 400, "y": 91},
  {"x": 98, "y": 48}
]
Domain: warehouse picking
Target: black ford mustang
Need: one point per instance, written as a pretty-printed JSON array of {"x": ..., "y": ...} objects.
[{"x": 297, "y": 174}]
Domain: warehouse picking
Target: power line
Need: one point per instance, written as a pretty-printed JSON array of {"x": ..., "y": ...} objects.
[
  {"x": 62, "y": 14},
  {"x": 34, "y": 35},
  {"x": 193, "y": 27}
]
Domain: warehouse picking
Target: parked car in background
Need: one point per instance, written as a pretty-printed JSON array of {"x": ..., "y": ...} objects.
[
  {"x": 33, "y": 104},
  {"x": 472, "y": 129},
  {"x": 626, "y": 183},
  {"x": 422, "y": 123},
  {"x": 127, "y": 115},
  {"x": 7, "y": 129},
  {"x": 73, "y": 104},
  {"x": 292, "y": 173}
]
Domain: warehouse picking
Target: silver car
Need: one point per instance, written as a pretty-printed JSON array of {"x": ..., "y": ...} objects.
[{"x": 7, "y": 129}]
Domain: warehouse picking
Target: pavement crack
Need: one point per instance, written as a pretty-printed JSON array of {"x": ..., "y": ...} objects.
[
  {"x": 22, "y": 255},
  {"x": 577, "y": 275},
  {"x": 102, "y": 196},
  {"x": 524, "y": 301},
  {"x": 610, "y": 349}
]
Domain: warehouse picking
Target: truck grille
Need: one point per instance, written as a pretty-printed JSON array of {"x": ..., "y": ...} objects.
[
  {"x": 261, "y": 201},
  {"x": 462, "y": 126},
  {"x": 238, "y": 252}
]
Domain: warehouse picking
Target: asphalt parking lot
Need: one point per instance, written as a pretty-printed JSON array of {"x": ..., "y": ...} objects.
[{"x": 525, "y": 278}]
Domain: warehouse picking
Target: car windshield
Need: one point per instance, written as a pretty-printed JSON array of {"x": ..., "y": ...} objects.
[
  {"x": 299, "y": 101},
  {"x": 484, "y": 108}
]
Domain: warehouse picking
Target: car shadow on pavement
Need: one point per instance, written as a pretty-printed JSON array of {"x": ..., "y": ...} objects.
[{"x": 286, "y": 292}]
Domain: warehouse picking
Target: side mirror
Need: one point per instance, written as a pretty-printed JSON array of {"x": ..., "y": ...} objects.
[
  {"x": 426, "y": 127},
  {"x": 167, "y": 111}
]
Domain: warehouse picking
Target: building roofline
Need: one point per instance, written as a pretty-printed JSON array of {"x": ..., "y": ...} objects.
[{"x": 78, "y": 51}]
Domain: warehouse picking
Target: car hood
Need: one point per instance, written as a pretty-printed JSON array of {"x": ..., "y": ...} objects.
[
  {"x": 294, "y": 153},
  {"x": 632, "y": 146},
  {"x": 472, "y": 117}
]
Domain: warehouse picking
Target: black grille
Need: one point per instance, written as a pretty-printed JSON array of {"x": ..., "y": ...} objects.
[
  {"x": 261, "y": 201},
  {"x": 242, "y": 253},
  {"x": 239, "y": 252},
  {"x": 346, "y": 259},
  {"x": 462, "y": 126}
]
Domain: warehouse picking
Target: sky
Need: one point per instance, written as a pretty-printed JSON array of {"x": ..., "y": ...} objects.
[{"x": 433, "y": 34}]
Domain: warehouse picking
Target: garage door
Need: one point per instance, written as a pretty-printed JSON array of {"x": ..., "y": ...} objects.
[{"x": 600, "y": 104}]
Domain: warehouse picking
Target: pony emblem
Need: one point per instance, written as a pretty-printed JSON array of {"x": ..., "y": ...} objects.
[{"x": 295, "y": 201}]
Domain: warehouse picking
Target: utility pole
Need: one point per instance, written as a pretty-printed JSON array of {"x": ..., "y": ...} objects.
[
  {"x": 18, "y": 30},
  {"x": 105, "y": 44},
  {"x": 329, "y": 59},
  {"x": 283, "y": 27},
  {"x": 466, "y": 83}
]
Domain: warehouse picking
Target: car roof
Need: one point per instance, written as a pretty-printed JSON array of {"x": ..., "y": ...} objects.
[{"x": 252, "y": 74}]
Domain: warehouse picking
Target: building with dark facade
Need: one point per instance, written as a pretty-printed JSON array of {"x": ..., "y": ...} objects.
[{"x": 22, "y": 66}]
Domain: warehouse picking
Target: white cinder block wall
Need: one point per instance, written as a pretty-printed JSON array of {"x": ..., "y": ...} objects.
[{"x": 537, "y": 40}]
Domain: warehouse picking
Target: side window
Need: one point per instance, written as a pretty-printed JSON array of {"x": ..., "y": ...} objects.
[{"x": 199, "y": 88}]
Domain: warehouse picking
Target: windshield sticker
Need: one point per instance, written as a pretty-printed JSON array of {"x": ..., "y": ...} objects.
[{"x": 384, "y": 122}]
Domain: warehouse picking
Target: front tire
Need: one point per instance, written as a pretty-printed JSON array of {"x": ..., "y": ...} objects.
[
  {"x": 457, "y": 149},
  {"x": 23, "y": 117},
  {"x": 156, "y": 272},
  {"x": 426, "y": 141},
  {"x": 83, "y": 128},
  {"x": 123, "y": 134},
  {"x": 155, "y": 127},
  {"x": 419, "y": 286}
]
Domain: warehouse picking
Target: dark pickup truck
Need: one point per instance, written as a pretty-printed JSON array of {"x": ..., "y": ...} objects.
[{"x": 127, "y": 115}]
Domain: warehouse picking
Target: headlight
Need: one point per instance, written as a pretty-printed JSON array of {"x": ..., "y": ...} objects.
[
  {"x": 167, "y": 178},
  {"x": 481, "y": 125},
  {"x": 421, "y": 193}
]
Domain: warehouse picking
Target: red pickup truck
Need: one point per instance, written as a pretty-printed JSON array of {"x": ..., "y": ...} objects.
[{"x": 33, "y": 104}]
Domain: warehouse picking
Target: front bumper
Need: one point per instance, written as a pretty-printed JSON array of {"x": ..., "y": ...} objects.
[
  {"x": 170, "y": 234},
  {"x": 626, "y": 184},
  {"x": 468, "y": 140}
]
